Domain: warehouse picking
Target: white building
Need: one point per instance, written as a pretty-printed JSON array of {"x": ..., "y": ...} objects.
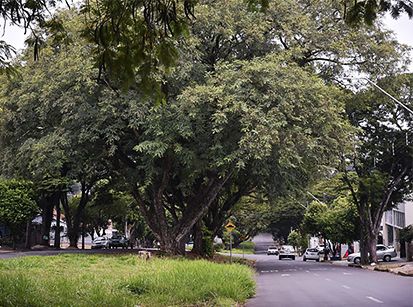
[{"x": 394, "y": 220}]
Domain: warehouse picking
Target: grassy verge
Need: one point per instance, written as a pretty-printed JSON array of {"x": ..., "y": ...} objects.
[
  {"x": 246, "y": 247},
  {"x": 238, "y": 251},
  {"x": 98, "y": 280}
]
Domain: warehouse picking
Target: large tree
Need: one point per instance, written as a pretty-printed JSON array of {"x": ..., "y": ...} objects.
[
  {"x": 230, "y": 32},
  {"x": 226, "y": 129},
  {"x": 47, "y": 133},
  {"x": 257, "y": 116},
  {"x": 381, "y": 168},
  {"x": 138, "y": 37}
]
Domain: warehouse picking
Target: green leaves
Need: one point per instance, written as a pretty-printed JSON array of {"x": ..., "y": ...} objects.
[{"x": 16, "y": 202}]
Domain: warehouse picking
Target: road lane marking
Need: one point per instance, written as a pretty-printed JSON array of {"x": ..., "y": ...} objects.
[
  {"x": 307, "y": 271},
  {"x": 345, "y": 273},
  {"x": 264, "y": 271},
  {"x": 328, "y": 279},
  {"x": 345, "y": 287},
  {"x": 374, "y": 299},
  {"x": 285, "y": 275}
]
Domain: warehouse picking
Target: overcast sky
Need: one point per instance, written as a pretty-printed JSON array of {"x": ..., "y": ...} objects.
[{"x": 403, "y": 28}]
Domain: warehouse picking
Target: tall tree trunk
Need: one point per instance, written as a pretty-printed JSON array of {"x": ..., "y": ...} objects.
[
  {"x": 372, "y": 247},
  {"x": 57, "y": 229},
  {"x": 47, "y": 215},
  {"x": 198, "y": 239},
  {"x": 74, "y": 221},
  {"x": 27, "y": 243},
  {"x": 364, "y": 240},
  {"x": 171, "y": 246}
]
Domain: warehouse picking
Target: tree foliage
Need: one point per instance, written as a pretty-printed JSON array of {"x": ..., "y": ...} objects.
[
  {"x": 383, "y": 162},
  {"x": 17, "y": 205},
  {"x": 246, "y": 110},
  {"x": 367, "y": 11}
]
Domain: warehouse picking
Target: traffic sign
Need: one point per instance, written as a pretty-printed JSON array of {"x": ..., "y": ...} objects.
[{"x": 230, "y": 227}]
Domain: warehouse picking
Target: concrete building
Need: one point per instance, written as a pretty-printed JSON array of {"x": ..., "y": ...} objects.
[{"x": 393, "y": 221}]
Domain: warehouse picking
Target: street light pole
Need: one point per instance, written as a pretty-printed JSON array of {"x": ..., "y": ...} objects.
[{"x": 383, "y": 91}]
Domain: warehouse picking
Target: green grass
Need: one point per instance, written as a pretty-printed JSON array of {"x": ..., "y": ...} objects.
[
  {"x": 98, "y": 280},
  {"x": 246, "y": 247},
  {"x": 238, "y": 251}
]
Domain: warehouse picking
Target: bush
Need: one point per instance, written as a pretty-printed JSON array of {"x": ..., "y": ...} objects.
[
  {"x": 219, "y": 247},
  {"x": 406, "y": 234}
]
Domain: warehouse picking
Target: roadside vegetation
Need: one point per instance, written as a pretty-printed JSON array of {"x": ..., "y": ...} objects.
[
  {"x": 243, "y": 248},
  {"x": 85, "y": 280}
]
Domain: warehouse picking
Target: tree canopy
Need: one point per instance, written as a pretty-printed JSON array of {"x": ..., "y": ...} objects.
[
  {"x": 249, "y": 108},
  {"x": 382, "y": 166}
]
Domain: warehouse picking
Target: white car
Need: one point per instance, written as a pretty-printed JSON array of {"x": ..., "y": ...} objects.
[
  {"x": 272, "y": 250},
  {"x": 311, "y": 254},
  {"x": 384, "y": 253},
  {"x": 286, "y": 251},
  {"x": 101, "y": 242}
]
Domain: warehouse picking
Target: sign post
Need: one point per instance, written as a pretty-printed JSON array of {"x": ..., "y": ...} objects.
[{"x": 230, "y": 227}]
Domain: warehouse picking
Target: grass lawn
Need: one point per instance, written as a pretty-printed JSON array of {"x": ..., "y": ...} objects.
[
  {"x": 238, "y": 251},
  {"x": 246, "y": 247},
  {"x": 103, "y": 280}
]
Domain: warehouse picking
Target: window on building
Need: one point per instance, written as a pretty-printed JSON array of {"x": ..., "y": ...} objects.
[{"x": 399, "y": 219}]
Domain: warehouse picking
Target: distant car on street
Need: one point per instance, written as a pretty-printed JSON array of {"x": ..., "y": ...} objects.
[
  {"x": 311, "y": 254},
  {"x": 119, "y": 241},
  {"x": 272, "y": 250},
  {"x": 384, "y": 253},
  {"x": 100, "y": 242},
  {"x": 286, "y": 251}
]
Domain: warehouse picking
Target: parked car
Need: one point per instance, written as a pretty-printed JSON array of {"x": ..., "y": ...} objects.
[
  {"x": 286, "y": 251},
  {"x": 384, "y": 253},
  {"x": 100, "y": 242},
  {"x": 311, "y": 254},
  {"x": 272, "y": 250},
  {"x": 322, "y": 249},
  {"x": 119, "y": 241}
]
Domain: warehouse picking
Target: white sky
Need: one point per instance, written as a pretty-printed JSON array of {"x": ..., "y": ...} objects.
[{"x": 403, "y": 28}]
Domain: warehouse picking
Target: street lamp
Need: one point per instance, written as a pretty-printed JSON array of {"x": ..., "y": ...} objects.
[{"x": 387, "y": 94}]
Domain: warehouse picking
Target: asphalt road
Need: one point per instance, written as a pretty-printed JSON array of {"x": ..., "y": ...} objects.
[{"x": 299, "y": 283}]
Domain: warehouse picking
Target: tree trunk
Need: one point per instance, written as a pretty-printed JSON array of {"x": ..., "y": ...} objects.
[
  {"x": 27, "y": 243},
  {"x": 173, "y": 247},
  {"x": 73, "y": 222},
  {"x": 364, "y": 243},
  {"x": 57, "y": 229},
  {"x": 373, "y": 247},
  {"x": 198, "y": 239},
  {"x": 47, "y": 215}
]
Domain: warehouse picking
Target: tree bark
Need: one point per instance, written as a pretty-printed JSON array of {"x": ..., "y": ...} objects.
[
  {"x": 74, "y": 221},
  {"x": 373, "y": 247},
  {"x": 57, "y": 229},
  {"x": 47, "y": 215},
  {"x": 198, "y": 239},
  {"x": 172, "y": 236},
  {"x": 27, "y": 243},
  {"x": 364, "y": 239}
]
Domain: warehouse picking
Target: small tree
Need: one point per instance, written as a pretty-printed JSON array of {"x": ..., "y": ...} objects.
[
  {"x": 406, "y": 235},
  {"x": 17, "y": 206},
  {"x": 297, "y": 240}
]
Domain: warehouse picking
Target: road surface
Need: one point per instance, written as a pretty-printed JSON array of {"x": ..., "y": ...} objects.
[{"x": 298, "y": 283}]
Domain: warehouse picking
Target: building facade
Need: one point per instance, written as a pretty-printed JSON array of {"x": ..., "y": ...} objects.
[{"x": 394, "y": 220}]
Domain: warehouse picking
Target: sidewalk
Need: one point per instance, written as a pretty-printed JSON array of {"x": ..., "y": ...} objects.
[{"x": 397, "y": 266}]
